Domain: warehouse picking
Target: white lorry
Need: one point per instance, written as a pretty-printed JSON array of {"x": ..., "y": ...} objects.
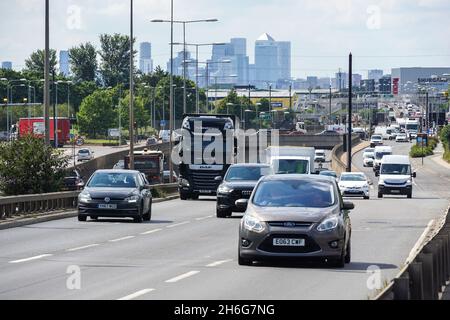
[{"x": 291, "y": 160}]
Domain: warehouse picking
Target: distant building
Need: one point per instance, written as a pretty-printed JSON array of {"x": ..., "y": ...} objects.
[
  {"x": 313, "y": 82},
  {"x": 356, "y": 80},
  {"x": 375, "y": 75},
  {"x": 384, "y": 85},
  {"x": 145, "y": 58},
  {"x": 7, "y": 65},
  {"x": 284, "y": 60},
  {"x": 367, "y": 86},
  {"x": 406, "y": 80},
  {"x": 341, "y": 80},
  {"x": 64, "y": 66}
]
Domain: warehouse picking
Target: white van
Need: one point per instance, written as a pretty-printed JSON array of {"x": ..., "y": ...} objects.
[
  {"x": 380, "y": 152},
  {"x": 395, "y": 176},
  {"x": 164, "y": 136}
]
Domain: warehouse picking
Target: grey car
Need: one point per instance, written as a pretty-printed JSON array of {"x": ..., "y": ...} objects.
[{"x": 295, "y": 216}]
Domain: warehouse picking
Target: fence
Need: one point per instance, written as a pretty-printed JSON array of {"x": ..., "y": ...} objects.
[
  {"x": 426, "y": 274},
  {"x": 50, "y": 202},
  {"x": 336, "y": 162}
]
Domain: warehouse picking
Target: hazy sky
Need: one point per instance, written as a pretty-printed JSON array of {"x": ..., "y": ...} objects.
[{"x": 381, "y": 34}]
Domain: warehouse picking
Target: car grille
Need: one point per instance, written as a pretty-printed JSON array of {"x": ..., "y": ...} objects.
[
  {"x": 290, "y": 224},
  {"x": 310, "y": 244},
  {"x": 391, "y": 183},
  {"x": 204, "y": 180},
  {"x": 111, "y": 201},
  {"x": 242, "y": 194}
]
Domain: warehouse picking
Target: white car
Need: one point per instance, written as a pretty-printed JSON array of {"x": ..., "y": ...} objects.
[
  {"x": 368, "y": 159},
  {"x": 85, "y": 155},
  {"x": 402, "y": 137},
  {"x": 354, "y": 184},
  {"x": 119, "y": 165},
  {"x": 376, "y": 140},
  {"x": 320, "y": 156}
]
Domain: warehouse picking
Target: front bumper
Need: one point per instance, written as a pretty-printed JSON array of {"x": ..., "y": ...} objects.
[
  {"x": 395, "y": 190},
  {"x": 228, "y": 201},
  {"x": 355, "y": 193},
  {"x": 317, "y": 244},
  {"x": 124, "y": 209}
]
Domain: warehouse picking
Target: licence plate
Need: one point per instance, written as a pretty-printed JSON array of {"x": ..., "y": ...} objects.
[
  {"x": 395, "y": 191},
  {"x": 107, "y": 206},
  {"x": 289, "y": 242},
  {"x": 205, "y": 191}
]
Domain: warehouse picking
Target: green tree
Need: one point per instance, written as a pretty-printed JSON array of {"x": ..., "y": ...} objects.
[
  {"x": 83, "y": 62},
  {"x": 115, "y": 59},
  {"x": 141, "y": 114},
  {"x": 28, "y": 166},
  {"x": 97, "y": 114},
  {"x": 35, "y": 63}
]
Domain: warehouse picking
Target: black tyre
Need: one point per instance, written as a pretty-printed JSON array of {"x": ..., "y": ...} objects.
[
  {"x": 243, "y": 261},
  {"x": 195, "y": 196},
  {"x": 220, "y": 213},
  {"x": 409, "y": 195},
  {"x": 348, "y": 254},
  {"x": 380, "y": 195},
  {"x": 94, "y": 218},
  {"x": 148, "y": 215},
  {"x": 366, "y": 198},
  {"x": 184, "y": 196},
  {"x": 338, "y": 262},
  {"x": 82, "y": 218},
  {"x": 139, "y": 218}
]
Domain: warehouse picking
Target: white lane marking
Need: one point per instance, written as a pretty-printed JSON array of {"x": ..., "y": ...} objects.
[
  {"x": 136, "y": 294},
  {"x": 83, "y": 247},
  {"x": 183, "y": 276},
  {"x": 31, "y": 258},
  {"x": 203, "y": 218},
  {"x": 151, "y": 231},
  {"x": 218, "y": 263},
  {"x": 178, "y": 224},
  {"x": 122, "y": 239}
]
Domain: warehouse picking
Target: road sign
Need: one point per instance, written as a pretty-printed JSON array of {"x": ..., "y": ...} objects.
[
  {"x": 114, "y": 133},
  {"x": 265, "y": 116},
  {"x": 163, "y": 123}
]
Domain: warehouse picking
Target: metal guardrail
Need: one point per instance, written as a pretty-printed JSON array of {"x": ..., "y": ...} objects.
[
  {"x": 427, "y": 273},
  {"x": 337, "y": 152},
  {"x": 50, "y": 202}
]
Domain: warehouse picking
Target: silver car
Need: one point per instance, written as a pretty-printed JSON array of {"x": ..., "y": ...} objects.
[{"x": 295, "y": 216}]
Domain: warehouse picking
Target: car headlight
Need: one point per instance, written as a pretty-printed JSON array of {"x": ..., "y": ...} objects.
[
  {"x": 132, "y": 199},
  {"x": 409, "y": 181},
  {"x": 253, "y": 224},
  {"x": 84, "y": 197},
  {"x": 381, "y": 181},
  {"x": 328, "y": 224},
  {"x": 224, "y": 189},
  {"x": 184, "y": 183}
]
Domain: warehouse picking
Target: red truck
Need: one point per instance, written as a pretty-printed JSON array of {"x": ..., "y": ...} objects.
[{"x": 36, "y": 127}]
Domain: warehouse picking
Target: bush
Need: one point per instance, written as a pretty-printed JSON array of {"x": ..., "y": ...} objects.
[
  {"x": 28, "y": 166},
  {"x": 445, "y": 138},
  {"x": 158, "y": 193},
  {"x": 419, "y": 152}
]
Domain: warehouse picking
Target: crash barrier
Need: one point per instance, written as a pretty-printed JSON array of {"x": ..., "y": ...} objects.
[
  {"x": 427, "y": 273},
  {"x": 337, "y": 152},
  {"x": 51, "y": 202}
]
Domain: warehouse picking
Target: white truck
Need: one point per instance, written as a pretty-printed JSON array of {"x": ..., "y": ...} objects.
[{"x": 291, "y": 160}]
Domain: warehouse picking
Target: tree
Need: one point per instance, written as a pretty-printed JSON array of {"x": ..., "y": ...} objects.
[
  {"x": 115, "y": 59},
  {"x": 35, "y": 63},
  {"x": 97, "y": 114},
  {"x": 28, "y": 166},
  {"x": 141, "y": 114},
  {"x": 83, "y": 62}
]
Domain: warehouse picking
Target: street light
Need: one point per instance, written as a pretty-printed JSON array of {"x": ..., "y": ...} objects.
[{"x": 183, "y": 22}]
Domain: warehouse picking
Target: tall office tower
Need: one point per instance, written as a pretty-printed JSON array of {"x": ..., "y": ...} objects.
[
  {"x": 7, "y": 65},
  {"x": 145, "y": 58},
  {"x": 64, "y": 66},
  {"x": 266, "y": 61},
  {"x": 284, "y": 59},
  {"x": 341, "y": 80},
  {"x": 356, "y": 80}
]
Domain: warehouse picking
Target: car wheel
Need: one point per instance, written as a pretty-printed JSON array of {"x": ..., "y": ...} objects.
[
  {"x": 82, "y": 218},
  {"x": 409, "y": 195},
  {"x": 148, "y": 215},
  {"x": 183, "y": 196},
  {"x": 220, "y": 213},
  {"x": 94, "y": 218},
  {"x": 243, "y": 261},
  {"x": 139, "y": 218},
  {"x": 348, "y": 253},
  {"x": 339, "y": 262},
  {"x": 380, "y": 195},
  {"x": 366, "y": 198},
  {"x": 195, "y": 197}
]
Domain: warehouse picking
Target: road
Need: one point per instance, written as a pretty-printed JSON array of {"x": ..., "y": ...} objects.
[{"x": 186, "y": 253}]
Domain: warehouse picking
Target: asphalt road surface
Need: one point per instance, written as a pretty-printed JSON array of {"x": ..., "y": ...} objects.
[{"x": 186, "y": 253}]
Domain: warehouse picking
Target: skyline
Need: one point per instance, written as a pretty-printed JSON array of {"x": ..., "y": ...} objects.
[{"x": 377, "y": 36}]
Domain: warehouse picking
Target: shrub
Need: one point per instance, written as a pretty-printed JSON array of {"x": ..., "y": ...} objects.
[
  {"x": 28, "y": 166},
  {"x": 418, "y": 151},
  {"x": 158, "y": 193}
]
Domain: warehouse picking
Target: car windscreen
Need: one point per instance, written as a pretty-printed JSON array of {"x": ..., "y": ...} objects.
[
  {"x": 246, "y": 173},
  {"x": 146, "y": 164},
  {"x": 352, "y": 177},
  {"x": 284, "y": 166},
  {"x": 395, "y": 169},
  {"x": 380, "y": 155},
  {"x": 113, "y": 180},
  {"x": 328, "y": 173},
  {"x": 294, "y": 193},
  {"x": 83, "y": 151},
  {"x": 377, "y": 138},
  {"x": 370, "y": 155}
]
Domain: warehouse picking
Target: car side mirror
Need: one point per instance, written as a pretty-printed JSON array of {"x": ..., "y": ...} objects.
[
  {"x": 348, "y": 205},
  {"x": 414, "y": 175},
  {"x": 242, "y": 204},
  {"x": 218, "y": 179}
]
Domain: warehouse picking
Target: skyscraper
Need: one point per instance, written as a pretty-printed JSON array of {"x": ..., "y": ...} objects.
[
  {"x": 7, "y": 65},
  {"x": 145, "y": 58},
  {"x": 375, "y": 75},
  {"x": 266, "y": 61},
  {"x": 284, "y": 59},
  {"x": 64, "y": 66}
]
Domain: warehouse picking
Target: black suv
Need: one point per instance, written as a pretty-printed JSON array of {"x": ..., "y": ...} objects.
[
  {"x": 239, "y": 182},
  {"x": 73, "y": 181}
]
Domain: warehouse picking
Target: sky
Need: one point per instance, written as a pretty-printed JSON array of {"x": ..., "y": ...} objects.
[{"x": 381, "y": 34}]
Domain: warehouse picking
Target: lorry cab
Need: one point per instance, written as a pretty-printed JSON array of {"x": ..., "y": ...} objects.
[{"x": 150, "y": 163}]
